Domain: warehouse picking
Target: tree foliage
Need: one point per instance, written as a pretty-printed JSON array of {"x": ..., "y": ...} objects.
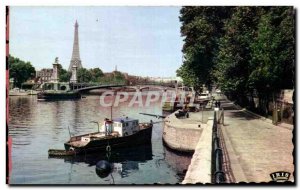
[
  {"x": 231, "y": 66},
  {"x": 84, "y": 75},
  {"x": 96, "y": 74},
  {"x": 89, "y": 75},
  {"x": 241, "y": 49},
  {"x": 20, "y": 71},
  {"x": 64, "y": 75},
  {"x": 272, "y": 52},
  {"x": 201, "y": 27}
]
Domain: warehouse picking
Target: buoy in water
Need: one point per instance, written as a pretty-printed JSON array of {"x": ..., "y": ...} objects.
[{"x": 103, "y": 168}]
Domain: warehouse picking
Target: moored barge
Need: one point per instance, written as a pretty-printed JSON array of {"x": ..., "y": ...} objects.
[{"x": 114, "y": 134}]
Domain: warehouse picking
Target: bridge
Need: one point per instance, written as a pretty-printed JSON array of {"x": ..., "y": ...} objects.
[
  {"x": 145, "y": 88},
  {"x": 85, "y": 87},
  {"x": 88, "y": 88}
]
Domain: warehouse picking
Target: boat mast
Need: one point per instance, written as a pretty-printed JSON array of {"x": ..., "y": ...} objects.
[
  {"x": 69, "y": 132},
  {"x": 111, "y": 108}
]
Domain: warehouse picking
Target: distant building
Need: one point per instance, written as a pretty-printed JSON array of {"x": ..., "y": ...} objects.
[
  {"x": 165, "y": 79},
  {"x": 112, "y": 74},
  {"x": 44, "y": 75}
]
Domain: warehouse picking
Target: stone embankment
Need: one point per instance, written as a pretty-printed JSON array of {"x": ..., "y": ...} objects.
[
  {"x": 182, "y": 134},
  {"x": 192, "y": 135},
  {"x": 199, "y": 170}
]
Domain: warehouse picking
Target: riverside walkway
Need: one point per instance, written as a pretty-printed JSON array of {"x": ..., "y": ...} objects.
[{"x": 255, "y": 147}]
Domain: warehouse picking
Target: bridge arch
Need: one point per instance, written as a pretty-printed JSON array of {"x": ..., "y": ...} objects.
[{"x": 64, "y": 87}]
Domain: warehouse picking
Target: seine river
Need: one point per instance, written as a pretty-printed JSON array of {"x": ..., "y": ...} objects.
[{"x": 36, "y": 126}]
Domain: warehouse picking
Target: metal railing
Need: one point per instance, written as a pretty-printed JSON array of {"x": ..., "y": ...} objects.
[{"x": 218, "y": 176}]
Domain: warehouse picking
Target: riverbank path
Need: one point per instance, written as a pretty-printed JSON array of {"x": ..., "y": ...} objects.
[{"x": 256, "y": 148}]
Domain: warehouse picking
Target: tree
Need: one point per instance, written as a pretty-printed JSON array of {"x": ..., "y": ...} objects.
[
  {"x": 246, "y": 51},
  {"x": 20, "y": 70},
  {"x": 231, "y": 68},
  {"x": 64, "y": 75},
  {"x": 96, "y": 74},
  {"x": 272, "y": 54},
  {"x": 201, "y": 27},
  {"x": 84, "y": 75}
]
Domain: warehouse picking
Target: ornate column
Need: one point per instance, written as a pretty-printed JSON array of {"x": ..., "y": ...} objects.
[
  {"x": 54, "y": 77},
  {"x": 74, "y": 74}
]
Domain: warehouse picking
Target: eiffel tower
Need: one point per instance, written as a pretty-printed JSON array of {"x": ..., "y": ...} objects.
[{"x": 75, "y": 60}]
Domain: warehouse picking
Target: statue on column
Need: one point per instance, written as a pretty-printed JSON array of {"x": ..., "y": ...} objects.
[
  {"x": 74, "y": 74},
  {"x": 55, "y": 71}
]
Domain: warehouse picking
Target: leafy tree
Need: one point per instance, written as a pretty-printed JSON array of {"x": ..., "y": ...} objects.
[
  {"x": 20, "y": 71},
  {"x": 201, "y": 27},
  {"x": 272, "y": 54},
  {"x": 84, "y": 75},
  {"x": 231, "y": 69},
  {"x": 273, "y": 51},
  {"x": 96, "y": 74},
  {"x": 246, "y": 51},
  {"x": 64, "y": 75}
]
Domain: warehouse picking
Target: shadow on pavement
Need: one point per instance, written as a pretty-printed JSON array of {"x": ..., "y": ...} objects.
[
  {"x": 236, "y": 111},
  {"x": 243, "y": 115},
  {"x": 227, "y": 105}
]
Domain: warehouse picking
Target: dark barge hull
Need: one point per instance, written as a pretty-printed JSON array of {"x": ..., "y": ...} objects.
[
  {"x": 142, "y": 137},
  {"x": 58, "y": 96}
]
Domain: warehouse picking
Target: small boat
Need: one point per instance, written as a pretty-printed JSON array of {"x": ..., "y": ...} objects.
[
  {"x": 18, "y": 92},
  {"x": 114, "y": 134}
]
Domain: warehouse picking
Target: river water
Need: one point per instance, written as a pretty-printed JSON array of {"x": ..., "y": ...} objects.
[{"x": 36, "y": 126}]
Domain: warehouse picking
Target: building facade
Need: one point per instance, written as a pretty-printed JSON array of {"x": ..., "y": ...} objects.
[{"x": 44, "y": 75}]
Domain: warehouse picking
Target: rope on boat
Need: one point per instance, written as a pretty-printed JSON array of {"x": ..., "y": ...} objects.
[
  {"x": 108, "y": 154},
  {"x": 108, "y": 148}
]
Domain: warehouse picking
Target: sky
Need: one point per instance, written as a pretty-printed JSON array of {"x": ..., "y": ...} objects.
[{"x": 142, "y": 41}]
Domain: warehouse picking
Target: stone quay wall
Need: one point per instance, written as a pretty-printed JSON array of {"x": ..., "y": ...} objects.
[{"x": 182, "y": 134}]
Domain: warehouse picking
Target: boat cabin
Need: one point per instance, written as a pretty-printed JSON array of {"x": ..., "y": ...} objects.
[{"x": 123, "y": 126}]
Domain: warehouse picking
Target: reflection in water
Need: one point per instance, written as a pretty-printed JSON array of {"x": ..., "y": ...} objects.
[
  {"x": 122, "y": 161},
  {"x": 178, "y": 161},
  {"x": 137, "y": 154},
  {"x": 36, "y": 127}
]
